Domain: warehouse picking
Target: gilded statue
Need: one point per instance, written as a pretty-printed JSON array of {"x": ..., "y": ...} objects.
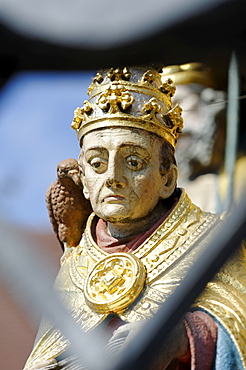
[{"x": 143, "y": 235}]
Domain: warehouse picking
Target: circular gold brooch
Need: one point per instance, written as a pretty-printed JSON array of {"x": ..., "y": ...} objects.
[{"x": 114, "y": 283}]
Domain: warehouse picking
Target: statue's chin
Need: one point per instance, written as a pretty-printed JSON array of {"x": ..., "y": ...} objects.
[{"x": 115, "y": 213}]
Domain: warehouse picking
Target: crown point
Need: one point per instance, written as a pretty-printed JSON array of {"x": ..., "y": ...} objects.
[
  {"x": 77, "y": 119},
  {"x": 168, "y": 87},
  {"x": 126, "y": 73},
  {"x": 148, "y": 77}
]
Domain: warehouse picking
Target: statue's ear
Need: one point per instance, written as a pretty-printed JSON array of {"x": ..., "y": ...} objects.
[
  {"x": 169, "y": 182},
  {"x": 85, "y": 188},
  {"x": 83, "y": 180},
  {"x": 82, "y": 175}
]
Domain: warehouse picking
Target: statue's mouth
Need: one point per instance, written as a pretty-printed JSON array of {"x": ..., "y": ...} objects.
[{"x": 113, "y": 198}]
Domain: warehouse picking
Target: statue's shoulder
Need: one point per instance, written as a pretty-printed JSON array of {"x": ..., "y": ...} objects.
[{"x": 188, "y": 211}]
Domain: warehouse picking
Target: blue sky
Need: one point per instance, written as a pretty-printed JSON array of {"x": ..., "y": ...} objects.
[{"x": 36, "y": 109}]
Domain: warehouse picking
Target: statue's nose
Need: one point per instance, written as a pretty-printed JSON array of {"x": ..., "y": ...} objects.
[{"x": 115, "y": 175}]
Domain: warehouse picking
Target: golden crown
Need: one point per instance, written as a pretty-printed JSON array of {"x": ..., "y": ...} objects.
[
  {"x": 130, "y": 97},
  {"x": 187, "y": 73}
]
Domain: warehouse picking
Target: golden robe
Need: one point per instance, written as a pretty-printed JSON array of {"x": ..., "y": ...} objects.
[{"x": 166, "y": 256}]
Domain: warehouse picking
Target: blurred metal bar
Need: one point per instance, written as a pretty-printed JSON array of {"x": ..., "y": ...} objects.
[
  {"x": 27, "y": 278},
  {"x": 146, "y": 346},
  {"x": 232, "y": 130}
]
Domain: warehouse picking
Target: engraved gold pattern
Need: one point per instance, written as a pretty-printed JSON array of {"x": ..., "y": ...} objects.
[
  {"x": 114, "y": 283},
  {"x": 115, "y": 99}
]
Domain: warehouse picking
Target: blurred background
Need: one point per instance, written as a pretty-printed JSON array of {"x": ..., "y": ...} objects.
[{"x": 49, "y": 52}]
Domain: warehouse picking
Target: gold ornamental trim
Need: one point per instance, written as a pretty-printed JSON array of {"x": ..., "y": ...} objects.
[
  {"x": 180, "y": 231},
  {"x": 135, "y": 88},
  {"x": 123, "y": 120},
  {"x": 166, "y": 229},
  {"x": 114, "y": 283}
]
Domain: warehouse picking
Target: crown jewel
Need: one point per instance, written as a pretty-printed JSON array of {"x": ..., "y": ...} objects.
[{"x": 130, "y": 97}]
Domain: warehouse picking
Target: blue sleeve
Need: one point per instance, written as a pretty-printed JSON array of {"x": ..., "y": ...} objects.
[{"x": 227, "y": 355}]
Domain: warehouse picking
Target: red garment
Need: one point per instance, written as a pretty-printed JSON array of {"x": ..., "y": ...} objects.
[
  {"x": 202, "y": 335},
  {"x": 114, "y": 245}
]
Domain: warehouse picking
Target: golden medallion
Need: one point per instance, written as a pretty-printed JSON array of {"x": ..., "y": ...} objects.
[{"x": 114, "y": 283}]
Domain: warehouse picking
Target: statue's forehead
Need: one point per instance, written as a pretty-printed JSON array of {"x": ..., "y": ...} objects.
[{"x": 120, "y": 136}]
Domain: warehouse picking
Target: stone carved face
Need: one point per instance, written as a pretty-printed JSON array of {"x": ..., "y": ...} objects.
[{"x": 122, "y": 175}]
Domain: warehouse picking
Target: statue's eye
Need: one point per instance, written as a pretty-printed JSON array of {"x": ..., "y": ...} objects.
[
  {"x": 135, "y": 163},
  {"x": 98, "y": 164}
]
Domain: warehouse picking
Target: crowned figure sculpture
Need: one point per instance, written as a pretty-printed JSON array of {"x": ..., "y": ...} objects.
[{"x": 134, "y": 234}]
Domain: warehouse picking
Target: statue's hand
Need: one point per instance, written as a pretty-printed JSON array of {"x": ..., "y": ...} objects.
[
  {"x": 123, "y": 337},
  {"x": 175, "y": 347},
  {"x": 46, "y": 365}
]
